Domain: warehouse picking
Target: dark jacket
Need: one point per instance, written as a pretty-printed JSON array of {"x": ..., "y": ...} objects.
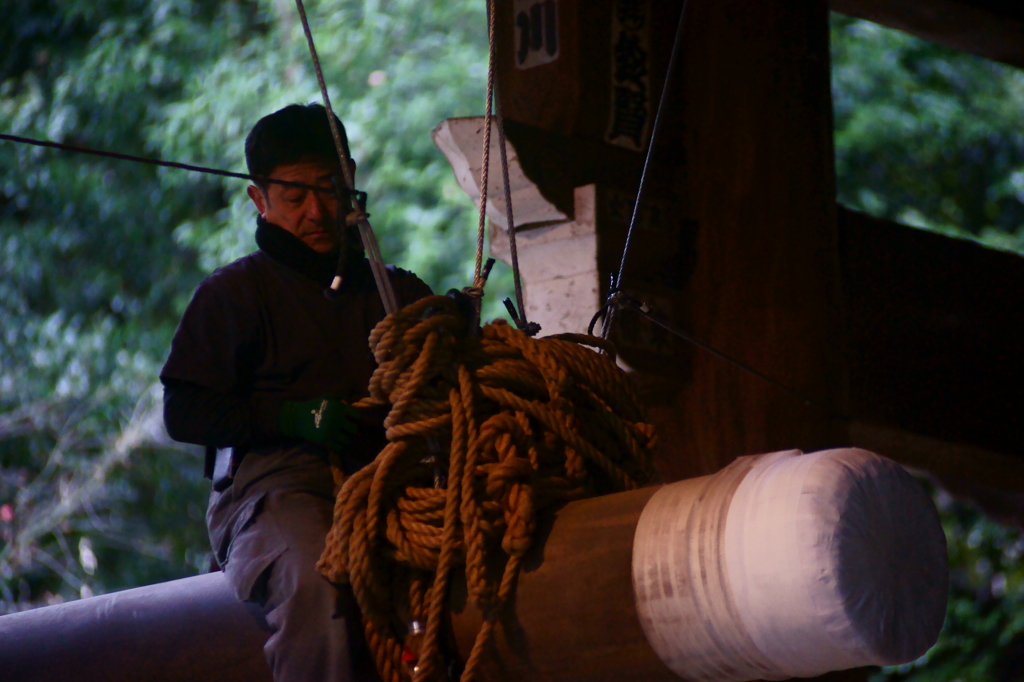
[{"x": 260, "y": 331}]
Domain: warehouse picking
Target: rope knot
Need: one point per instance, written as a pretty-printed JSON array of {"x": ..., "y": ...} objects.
[{"x": 516, "y": 426}]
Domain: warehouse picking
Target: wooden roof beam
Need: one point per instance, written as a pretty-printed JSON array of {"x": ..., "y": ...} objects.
[{"x": 983, "y": 28}]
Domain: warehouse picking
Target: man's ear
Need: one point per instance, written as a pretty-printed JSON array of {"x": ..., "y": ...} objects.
[{"x": 258, "y": 198}]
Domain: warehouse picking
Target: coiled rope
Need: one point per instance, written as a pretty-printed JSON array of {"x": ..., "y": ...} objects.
[{"x": 527, "y": 425}]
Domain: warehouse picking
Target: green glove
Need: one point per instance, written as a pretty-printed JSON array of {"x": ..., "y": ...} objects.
[{"x": 327, "y": 421}]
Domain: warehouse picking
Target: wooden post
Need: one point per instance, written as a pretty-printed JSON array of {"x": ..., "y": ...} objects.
[
  {"x": 761, "y": 192},
  {"x": 902, "y": 335}
]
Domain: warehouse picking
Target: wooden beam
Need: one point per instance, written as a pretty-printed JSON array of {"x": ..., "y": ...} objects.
[
  {"x": 935, "y": 341},
  {"x": 949, "y": 462},
  {"x": 736, "y": 241},
  {"x": 994, "y": 30},
  {"x": 739, "y": 243}
]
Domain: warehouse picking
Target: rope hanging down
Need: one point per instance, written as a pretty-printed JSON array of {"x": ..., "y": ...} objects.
[
  {"x": 529, "y": 424},
  {"x": 478, "y": 282}
]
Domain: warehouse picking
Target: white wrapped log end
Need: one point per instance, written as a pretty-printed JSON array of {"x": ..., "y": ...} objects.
[{"x": 791, "y": 565}]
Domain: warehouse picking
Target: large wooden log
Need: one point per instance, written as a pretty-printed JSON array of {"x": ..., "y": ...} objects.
[{"x": 777, "y": 566}]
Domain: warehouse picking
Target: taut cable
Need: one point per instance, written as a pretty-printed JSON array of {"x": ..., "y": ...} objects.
[
  {"x": 616, "y": 284},
  {"x": 60, "y": 146}
]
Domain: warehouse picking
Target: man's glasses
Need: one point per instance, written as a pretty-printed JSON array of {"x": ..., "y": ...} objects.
[{"x": 337, "y": 189}]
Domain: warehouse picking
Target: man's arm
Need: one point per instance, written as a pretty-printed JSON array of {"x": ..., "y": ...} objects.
[
  {"x": 196, "y": 414},
  {"x": 214, "y": 351},
  {"x": 200, "y": 415}
]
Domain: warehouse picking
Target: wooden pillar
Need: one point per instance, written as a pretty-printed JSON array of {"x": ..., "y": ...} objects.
[
  {"x": 737, "y": 238},
  {"x": 755, "y": 92}
]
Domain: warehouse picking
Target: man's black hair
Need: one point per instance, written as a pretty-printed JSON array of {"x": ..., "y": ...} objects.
[{"x": 290, "y": 135}]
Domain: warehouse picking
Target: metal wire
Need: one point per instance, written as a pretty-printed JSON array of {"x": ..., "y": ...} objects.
[
  {"x": 616, "y": 284},
  {"x": 639, "y": 308},
  {"x": 361, "y": 196}
]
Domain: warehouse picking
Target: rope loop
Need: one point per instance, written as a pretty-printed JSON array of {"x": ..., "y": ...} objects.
[{"x": 519, "y": 425}]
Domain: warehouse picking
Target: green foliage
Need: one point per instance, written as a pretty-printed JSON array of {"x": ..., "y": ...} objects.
[
  {"x": 98, "y": 258},
  {"x": 926, "y": 135}
]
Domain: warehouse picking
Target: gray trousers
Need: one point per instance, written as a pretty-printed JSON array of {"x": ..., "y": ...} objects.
[{"x": 268, "y": 529}]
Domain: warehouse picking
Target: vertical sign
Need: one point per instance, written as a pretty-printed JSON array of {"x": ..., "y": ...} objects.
[
  {"x": 536, "y": 32},
  {"x": 630, "y": 114}
]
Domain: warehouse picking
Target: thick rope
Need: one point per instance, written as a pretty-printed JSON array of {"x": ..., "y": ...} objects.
[
  {"x": 486, "y": 161},
  {"x": 527, "y": 425}
]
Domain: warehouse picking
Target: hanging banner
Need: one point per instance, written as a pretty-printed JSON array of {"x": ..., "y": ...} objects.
[
  {"x": 536, "y": 32},
  {"x": 630, "y": 115}
]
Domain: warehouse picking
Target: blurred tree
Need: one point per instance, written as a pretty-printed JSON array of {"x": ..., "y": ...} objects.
[
  {"x": 98, "y": 258},
  {"x": 926, "y": 135},
  {"x": 932, "y": 138}
]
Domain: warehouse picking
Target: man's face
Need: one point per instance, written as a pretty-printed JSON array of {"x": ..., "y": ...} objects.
[{"x": 309, "y": 215}]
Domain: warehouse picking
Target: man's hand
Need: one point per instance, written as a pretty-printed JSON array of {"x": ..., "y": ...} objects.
[{"x": 327, "y": 421}]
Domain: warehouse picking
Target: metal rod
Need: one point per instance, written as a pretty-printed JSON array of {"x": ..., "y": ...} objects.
[{"x": 366, "y": 235}]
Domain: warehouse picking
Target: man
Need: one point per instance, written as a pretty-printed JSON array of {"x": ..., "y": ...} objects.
[{"x": 265, "y": 364}]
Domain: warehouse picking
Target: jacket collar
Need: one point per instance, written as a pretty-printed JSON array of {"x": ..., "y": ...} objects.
[{"x": 290, "y": 251}]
